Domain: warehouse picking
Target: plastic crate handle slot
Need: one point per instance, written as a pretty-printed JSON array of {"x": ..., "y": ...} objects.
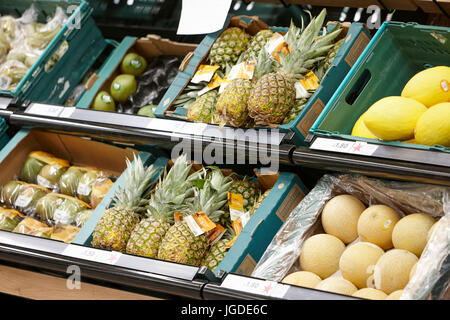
[{"x": 358, "y": 87}]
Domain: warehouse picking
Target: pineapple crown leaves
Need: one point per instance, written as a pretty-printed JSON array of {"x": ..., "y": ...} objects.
[
  {"x": 212, "y": 197},
  {"x": 137, "y": 181},
  {"x": 307, "y": 47},
  {"x": 172, "y": 190}
]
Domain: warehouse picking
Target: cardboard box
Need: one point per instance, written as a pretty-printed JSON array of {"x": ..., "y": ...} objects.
[
  {"x": 430, "y": 6},
  {"x": 148, "y": 47},
  {"x": 76, "y": 150}
]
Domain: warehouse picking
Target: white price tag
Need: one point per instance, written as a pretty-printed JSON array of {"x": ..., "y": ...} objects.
[
  {"x": 193, "y": 226},
  {"x": 61, "y": 216},
  {"x": 84, "y": 189},
  {"x": 44, "y": 109},
  {"x": 256, "y": 286},
  {"x": 358, "y": 147},
  {"x": 97, "y": 255},
  {"x": 22, "y": 201},
  {"x": 67, "y": 112},
  {"x": 43, "y": 182}
]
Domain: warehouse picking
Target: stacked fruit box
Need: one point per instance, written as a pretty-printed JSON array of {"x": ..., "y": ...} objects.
[
  {"x": 420, "y": 88},
  {"x": 195, "y": 215},
  {"x": 247, "y": 68},
  {"x": 364, "y": 237},
  {"x": 52, "y": 184}
]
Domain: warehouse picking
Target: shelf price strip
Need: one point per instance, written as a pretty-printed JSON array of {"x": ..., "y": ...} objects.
[
  {"x": 335, "y": 145},
  {"x": 97, "y": 255},
  {"x": 255, "y": 286}
]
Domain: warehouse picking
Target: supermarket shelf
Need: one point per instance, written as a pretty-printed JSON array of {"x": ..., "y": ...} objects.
[{"x": 388, "y": 4}]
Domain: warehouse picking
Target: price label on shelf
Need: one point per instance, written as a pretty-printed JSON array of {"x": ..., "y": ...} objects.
[
  {"x": 353, "y": 147},
  {"x": 92, "y": 254},
  {"x": 255, "y": 286},
  {"x": 44, "y": 109}
]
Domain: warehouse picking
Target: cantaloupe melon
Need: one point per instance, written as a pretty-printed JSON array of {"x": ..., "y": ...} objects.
[
  {"x": 430, "y": 86},
  {"x": 392, "y": 270},
  {"x": 413, "y": 271},
  {"x": 370, "y": 293},
  {"x": 395, "y": 295},
  {"x": 337, "y": 285},
  {"x": 376, "y": 224},
  {"x": 410, "y": 232},
  {"x": 358, "y": 261},
  {"x": 340, "y": 217},
  {"x": 320, "y": 254},
  {"x": 302, "y": 279}
]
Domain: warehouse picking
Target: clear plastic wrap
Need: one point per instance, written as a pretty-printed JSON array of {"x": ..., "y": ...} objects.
[
  {"x": 9, "y": 218},
  {"x": 64, "y": 232},
  {"x": 33, "y": 227},
  {"x": 27, "y": 199},
  {"x": 431, "y": 277},
  {"x": 60, "y": 209}
]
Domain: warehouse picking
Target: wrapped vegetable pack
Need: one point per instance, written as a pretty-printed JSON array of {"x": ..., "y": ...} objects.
[
  {"x": 23, "y": 40},
  {"x": 404, "y": 227}
]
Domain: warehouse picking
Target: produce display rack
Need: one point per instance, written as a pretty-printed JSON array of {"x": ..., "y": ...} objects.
[{"x": 167, "y": 280}]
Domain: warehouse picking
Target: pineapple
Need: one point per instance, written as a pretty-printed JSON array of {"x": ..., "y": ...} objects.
[
  {"x": 249, "y": 191},
  {"x": 257, "y": 42},
  {"x": 273, "y": 95},
  {"x": 299, "y": 104},
  {"x": 323, "y": 68},
  {"x": 218, "y": 250},
  {"x": 203, "y": 107},
  {"x": 116, "y": 224},
  {"x": 228, "y": 47},
  {"x": 260, "y": 200},
  {"x": 168, "y": 196},
  {"x": 231, "y": 107},
  {"x": 179, "y": 243}
]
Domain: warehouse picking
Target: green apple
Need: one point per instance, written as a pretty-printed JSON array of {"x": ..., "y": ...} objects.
[
  {"x": 147, "y": 111},
  {"x": 133, "y": 64},
  {"x": 122, "y": 87},
  {"x": 103, "y": 101}
]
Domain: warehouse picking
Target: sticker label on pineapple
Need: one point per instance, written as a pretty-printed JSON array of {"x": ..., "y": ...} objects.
[
  {"x": 311, "y": 82},
  {"x": 203, "y": 221},
  {"x": 216, "y": 234},
  {"x": 256, "y": 286},
  {"x": 214, "y": 83},
  {"x": 97, "y": 255},
  {"x": 177, "y": 217},
  {"x": 84, "y": 189},
  {"x": 444, "y": 85},
  {"x": 193, "y": 226},
  {"x": 243, "y": 70},
  {"x": 236, "y": 205},
  {"x": 22, "y": 201},
  {"x": 204, "y": 73},
  {"x": 276, "y": 44},
  {"x": 300, "y": 91}
]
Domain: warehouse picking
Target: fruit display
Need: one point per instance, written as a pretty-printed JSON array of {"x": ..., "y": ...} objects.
[
  {"x": 187, "y": 214},
  {"x": 23, "y": 40},
  {"x": 369, "y": 239},
  {"x": 140, "y": 85},
  {"x": 420, "y": 115},
  {"x": 255, "y": 80}
]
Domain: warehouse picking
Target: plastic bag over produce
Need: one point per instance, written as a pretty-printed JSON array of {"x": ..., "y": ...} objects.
[{"x": 430, "y": 280}]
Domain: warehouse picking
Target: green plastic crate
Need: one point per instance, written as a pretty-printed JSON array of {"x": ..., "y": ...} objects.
[
  {"x": 85, "y": 44},
  {"x": 357, "y": 38},
  {"x": 396, "y": 53},
  {"x": 4, "y": 137}
]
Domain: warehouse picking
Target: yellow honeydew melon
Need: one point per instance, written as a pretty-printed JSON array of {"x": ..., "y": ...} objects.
[
  {"x": 360, "y": 129},
  {"x": 320, "y": 254},
  {"x": 340, "y": 217},
  {"x": 370, "y": 293},
  {"x": 394, "y": 118},
  {"x": 358, "y": 261},
  {"x": 410, "y": 232},
  {"x": 394, "y": 295},
  {"x": 433, "y": 127},
  {"x": 337, "y": 285},
  {"x": 376, "y": 224},
  {"x": 302, "y": 279},
  {"x": 430, "y": 86}
]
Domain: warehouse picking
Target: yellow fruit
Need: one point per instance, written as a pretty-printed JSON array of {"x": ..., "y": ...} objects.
[
  {"x": 340, "y": 217},
  {"x": 303, "y": 279},
  {"x": 413, "y": 271},
  {"x": 360, "y": 129},
  {"x": 410, "y": 233},
  {"x": 430, "y": 232},
  {"x": 433, "y": 127},
  {"x": 337, "y": 285},
  {"x": 392, "y": 270},
  {"x": 370, "y": 293},
  {"x": 430, "y": 86},
  {"x": 320, "y": 254},
  {"x": 376, "y": 224},
  {"x": 394, "y": 118},
  {"x": 410, "y": 141},
  {"x": 394, "y": 295},
  {"x": 358, "y": 261}
]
